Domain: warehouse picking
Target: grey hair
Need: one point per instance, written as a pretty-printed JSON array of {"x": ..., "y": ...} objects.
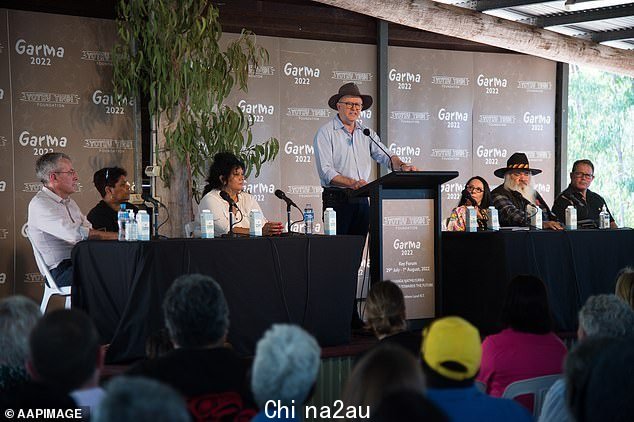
[
  {"x": 47, "y": 164},
  {"x": 196, "y": 312},
  {"x": 131, "y": 399},
  {"x": 607, "y": 316},
  {"x": 18, "y": 316},
  {"x": 285, "y": 365}
]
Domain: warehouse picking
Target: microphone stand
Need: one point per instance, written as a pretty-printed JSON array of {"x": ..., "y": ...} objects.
[
  {"x": 231, "y": 233},
  {"x": 288, "y": 217}
]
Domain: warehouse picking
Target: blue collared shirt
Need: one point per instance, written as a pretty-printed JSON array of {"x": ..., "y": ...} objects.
[{"x": 337, "y": 152}]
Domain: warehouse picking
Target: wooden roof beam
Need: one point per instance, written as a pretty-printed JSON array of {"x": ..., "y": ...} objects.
[{"x": 466, "y": 24}]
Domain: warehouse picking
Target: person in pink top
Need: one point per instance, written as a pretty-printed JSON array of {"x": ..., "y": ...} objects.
[{"x": 526, "y": 347}]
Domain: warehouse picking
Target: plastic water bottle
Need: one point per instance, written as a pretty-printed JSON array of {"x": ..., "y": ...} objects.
[
  {"x": 143, "y": 225},
  {"x": 206, "y": 224},
  {"x": 255, "y": 223},
  {"x": 493, "y": 223},
  {"x": 604, "y": 218},
  {"x": 330, "y": 222},
  {"x": 122, "y": 218},
  {"x": 131, "y": 232},
  {"x": 571, "y": 218},
  {"x": 536, "y": 216},
  {"x": 472, "y": 219},
  {"x": 309, "y": 219}
]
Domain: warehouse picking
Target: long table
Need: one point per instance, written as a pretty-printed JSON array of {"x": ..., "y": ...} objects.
[
  {"x": 573, "y": 264},
  {"x": 308, "y": 281}
]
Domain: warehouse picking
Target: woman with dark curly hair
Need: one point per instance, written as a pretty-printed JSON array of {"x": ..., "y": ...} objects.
[
  {"x": 226, "y": 174},
  {"x": 477, "y": 194}
]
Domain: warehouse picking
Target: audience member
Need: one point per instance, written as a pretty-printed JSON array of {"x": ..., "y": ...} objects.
[
  {"x": 55, "y": 222},
  {"x": 18, "y": 316},
  {"x": 65, "y": 354},
  {"x": 526, "y": 348},
  {"x": 133, "y": 399},
  {"x": 114, "y": 188},
  {"x": 451, "y": 354},
  {"x": 158, "y": 344},
  {"x": 603, "y": 389},
  {"x": 517, "y": 193},
  {"x": 407, "y": 406},
  {"x": 588, "y": 204},
  {"x": 211, "y": 377},
  {"x": 385, "y": 313},
  {"x": 226, "y": 177},
  {"x": 625, "y": 286},
  {"x": 385, "y": 369},
  {"x": 284, "y": 371},
  {"x": 476, "y": 194}
]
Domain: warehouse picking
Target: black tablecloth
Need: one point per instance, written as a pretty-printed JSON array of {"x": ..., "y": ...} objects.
[
  {"x": 573, "y": 264},
  {"x": 309, "y": 281}
]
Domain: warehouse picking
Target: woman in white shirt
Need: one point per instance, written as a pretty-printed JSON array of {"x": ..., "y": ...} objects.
[{"x": 226, "y": 174}]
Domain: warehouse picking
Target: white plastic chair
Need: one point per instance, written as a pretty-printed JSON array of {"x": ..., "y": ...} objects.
[
  {"x": 537, "y": 387},
  {"x": 50, "y": 286}
]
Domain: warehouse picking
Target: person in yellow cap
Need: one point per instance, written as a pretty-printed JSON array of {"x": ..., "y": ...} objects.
[{"x": 451, "y": 352}]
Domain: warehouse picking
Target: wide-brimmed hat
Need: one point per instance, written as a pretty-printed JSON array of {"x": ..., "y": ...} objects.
[
  {"x": 517, "y": 161},
  {"x": 451, "y": 347},
  {"x": 353, "y": 90}
]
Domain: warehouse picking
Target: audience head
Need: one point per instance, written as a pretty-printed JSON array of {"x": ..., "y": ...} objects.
[
  {"x": 65, "y": 351},
  {"x": 479, "y": 190},
  {"x": 112, "y": 184},
  {"x": 605, "y": 315},
  {"x": 386, "y": 369},
  {"x": 385, "y": 309},
  {"x": 452, "y": 352},
  {"x": 196, "y": 312},
  {"x": 407, "y": 406},
  {"x": 600, "y": 381},
  {"x": 525, "y": 307},
  {"x": 132, "y": 399},
  {"x": 625, "y": 286},
  {"x": 224, "y": 165},
  {"x": 18, "y": 316},
  {"x": 285, "y": 365}
]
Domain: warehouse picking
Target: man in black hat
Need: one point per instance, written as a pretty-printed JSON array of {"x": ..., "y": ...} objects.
[
  {"x": 516, "y": 193},
  {"x": 344, "y": 155}
]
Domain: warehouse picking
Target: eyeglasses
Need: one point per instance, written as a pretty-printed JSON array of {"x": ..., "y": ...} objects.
[
  {"x": 580, "y": 175},
  {"x": 474, "y": 189},
  {"x": 72, "y": 172},
  {"x": 352, "y": 106}
]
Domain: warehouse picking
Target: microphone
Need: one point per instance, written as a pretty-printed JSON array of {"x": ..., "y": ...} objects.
[
  {"x": 224, "y": 195},
  {"x": 468, "y": 197},
  {"x": 368, "y": 133},
  {"x": 148, "y": 198},
  {"x": 573, "y": 200},
  {"x": 281, "y": 195}
]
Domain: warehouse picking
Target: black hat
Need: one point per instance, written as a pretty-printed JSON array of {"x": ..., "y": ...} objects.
[
  {"x": 517, "y": 161},
  {"x": 350, "y": 89}
]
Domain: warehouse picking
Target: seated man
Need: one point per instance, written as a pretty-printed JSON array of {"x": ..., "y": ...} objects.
[
  {"x": 210, "y": 376},
  {"x": 55, "y": 221},
  {"x": 577, "y": 194},
  {"x": 512, "y": 197},
  {"x": 114, "y": 188},
  {"x": 451, "y": 353}
]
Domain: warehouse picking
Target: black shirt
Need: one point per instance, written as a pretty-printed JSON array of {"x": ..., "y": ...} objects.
[
  {"x": 587, "y": 209},
  {"x": 104, "y": 217}
]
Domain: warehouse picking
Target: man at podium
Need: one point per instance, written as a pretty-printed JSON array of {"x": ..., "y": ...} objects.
[{"x": 344, "y": 155}]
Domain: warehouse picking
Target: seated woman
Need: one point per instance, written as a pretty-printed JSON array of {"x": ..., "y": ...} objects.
[
  {"x": 476, "y": 194},
  {"x": 625, "y": 286},
  {"x": 227, "y": 174},
  {"x": 114, "y": 188},
  {"x": 526, "y": 348},
  {"x": 385, "y": 311}
]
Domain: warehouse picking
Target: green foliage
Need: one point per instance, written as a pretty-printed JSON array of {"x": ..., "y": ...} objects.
[
  {"x": 601, "y": 128},
  {"x": 169, "y": 50}
]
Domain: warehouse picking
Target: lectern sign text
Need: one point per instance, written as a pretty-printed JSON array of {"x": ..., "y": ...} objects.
[{"x": 408, "y": 252}]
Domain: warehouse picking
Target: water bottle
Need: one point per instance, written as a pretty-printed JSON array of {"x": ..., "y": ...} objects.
[
  {"x": 471, "y": 217},
  {"x": 604, "y": 218},
  {"x": 330, "y": 222},
  {"x": 571, "y": 218},
  {"x": 131, "y": 228},
  {"x": 143, "y": 225},
  {"x": 309, "y": 219},
  {"x": 493, "y": 223},
  {"x": 122, "y": 218},
  {"x": 536, "y": 216},
  {"x": 206, "y": 224},
  {"x": 255, "y": 223}
]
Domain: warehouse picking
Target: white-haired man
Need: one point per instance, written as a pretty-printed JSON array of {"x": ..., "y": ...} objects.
[{"x": 516, "y": 193}]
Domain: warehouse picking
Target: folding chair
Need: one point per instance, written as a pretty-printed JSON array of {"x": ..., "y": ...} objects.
[{"x": 537, "y": 387}]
